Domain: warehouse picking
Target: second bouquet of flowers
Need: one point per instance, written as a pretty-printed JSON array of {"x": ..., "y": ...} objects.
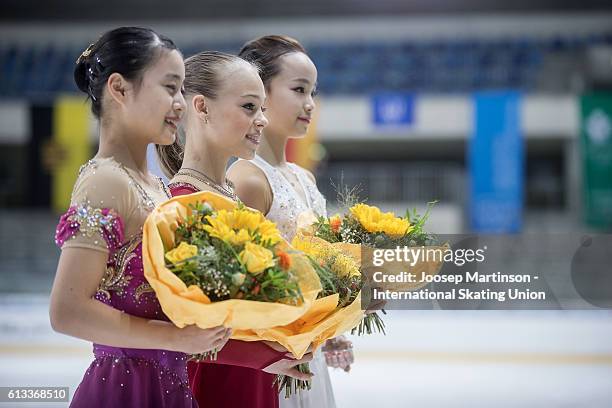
[
  {"x": 213, "y": 262},
  {"x": 364, "y": 228},
  {"x": 336, "y": 310}
]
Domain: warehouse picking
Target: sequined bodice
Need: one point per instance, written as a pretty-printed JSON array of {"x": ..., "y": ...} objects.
[
  {"x": 108, "y": 209},
  {"x": 287, "y": 204},
  {"x": 123, "y": 285}
]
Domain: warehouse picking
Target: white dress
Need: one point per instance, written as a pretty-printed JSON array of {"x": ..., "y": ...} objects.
[{"x": 287, "y": 204}]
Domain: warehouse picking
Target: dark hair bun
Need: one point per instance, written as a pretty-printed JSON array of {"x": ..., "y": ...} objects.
[
  {"x": 80, "y": 75},
  {"x": 125, "y": 50}
]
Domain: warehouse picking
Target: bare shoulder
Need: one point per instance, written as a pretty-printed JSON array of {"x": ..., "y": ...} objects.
[
  {"x": 244, "y": 174},
  {"x": 251, "y": 185}
]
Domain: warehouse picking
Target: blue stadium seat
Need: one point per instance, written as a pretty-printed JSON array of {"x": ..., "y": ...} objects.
[{"x": 440, "y": 65}]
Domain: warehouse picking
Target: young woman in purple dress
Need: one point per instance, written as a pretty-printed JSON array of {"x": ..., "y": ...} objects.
[{"x": 133, "y": 77}]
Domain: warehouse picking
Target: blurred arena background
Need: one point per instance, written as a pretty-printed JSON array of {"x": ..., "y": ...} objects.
[{"x": 401, "y": 91}]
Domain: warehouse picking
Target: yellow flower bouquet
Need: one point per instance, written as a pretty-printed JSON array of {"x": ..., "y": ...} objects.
[
  {"x": 366, "y": 227},
  {"x": 212, "y": 262},
  {"x": 337, "y": 308}
]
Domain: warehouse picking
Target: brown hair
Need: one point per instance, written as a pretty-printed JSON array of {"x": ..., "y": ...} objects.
[
  {"x": 265, "y": 52},
  {"x": 202, "y": 77}
]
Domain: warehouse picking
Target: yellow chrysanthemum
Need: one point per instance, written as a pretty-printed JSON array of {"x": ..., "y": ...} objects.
[
  {"x": 181, "y": 252},
  {"x": 269, "y": 232},
  {"x": 374, "y": 220},
  {"x": 256, "y": 258},
  {"x": 306, "y": 246},
  {"x": 343, "y": 265},
  {"x": 237, "y": 219},
  {"x": 339, "y": 263},
  {"x": 218, "y": 229},
  {"x": 240, "y": 237},
  {"x": 246, "y": 219},
  {"x": 239, "y": 226}
]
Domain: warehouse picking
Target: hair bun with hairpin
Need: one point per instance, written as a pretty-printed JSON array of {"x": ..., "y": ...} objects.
[{"x": 82, "y": 70}]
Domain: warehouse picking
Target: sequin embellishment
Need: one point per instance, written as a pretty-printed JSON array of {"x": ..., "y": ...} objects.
[
  {"x": 114, "y": 278},
  {"x": 287, "y": 204},
  {"x": 90, "y": 222},
  {"x": 93, "y": 220},
  {"x": 142, "y": 289}
]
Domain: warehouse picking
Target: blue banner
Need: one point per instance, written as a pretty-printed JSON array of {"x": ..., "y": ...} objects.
[
  {"x": 393, "y": 109},
  {"x": 495, "y": 157}
]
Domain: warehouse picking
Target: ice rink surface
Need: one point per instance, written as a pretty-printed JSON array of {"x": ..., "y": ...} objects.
[{"x": 428, "y": 359}]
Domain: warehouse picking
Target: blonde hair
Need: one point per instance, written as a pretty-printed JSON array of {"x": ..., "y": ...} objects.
[{"x": 203, "y": 73}]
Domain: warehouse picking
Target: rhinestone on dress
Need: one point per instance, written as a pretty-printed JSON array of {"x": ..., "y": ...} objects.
[{"x": 287, "y": 204}]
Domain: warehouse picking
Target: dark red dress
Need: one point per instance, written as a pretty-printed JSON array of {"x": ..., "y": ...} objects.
[{"x": 235, "y": 379}]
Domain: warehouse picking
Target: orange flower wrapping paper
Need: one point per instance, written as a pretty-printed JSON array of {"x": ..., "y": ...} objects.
[
  {"x": 189, "y": 305},
  {"x": 320, "y": 323}
]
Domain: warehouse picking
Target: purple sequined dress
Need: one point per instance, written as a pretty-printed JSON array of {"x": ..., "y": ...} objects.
[{"x": 124, "y": 377}]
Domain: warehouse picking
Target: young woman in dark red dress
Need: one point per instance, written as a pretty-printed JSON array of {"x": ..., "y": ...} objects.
[{"x": 224, "y": 118}]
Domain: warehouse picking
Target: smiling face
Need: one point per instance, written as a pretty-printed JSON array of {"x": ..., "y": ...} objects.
[
  {"x": 154, "y": 109},
  {"x": 290, "y": 95},
  {"x": 235, "y": 116}
]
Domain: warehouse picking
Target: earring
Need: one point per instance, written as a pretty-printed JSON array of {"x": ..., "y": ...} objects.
[{"x": 206, "y": 119}]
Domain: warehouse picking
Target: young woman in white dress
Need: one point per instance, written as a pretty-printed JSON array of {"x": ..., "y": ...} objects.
[{"x": 280, "y": 189}]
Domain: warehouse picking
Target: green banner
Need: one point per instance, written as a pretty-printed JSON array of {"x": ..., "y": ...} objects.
[{"x": 596, "y": 144}]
